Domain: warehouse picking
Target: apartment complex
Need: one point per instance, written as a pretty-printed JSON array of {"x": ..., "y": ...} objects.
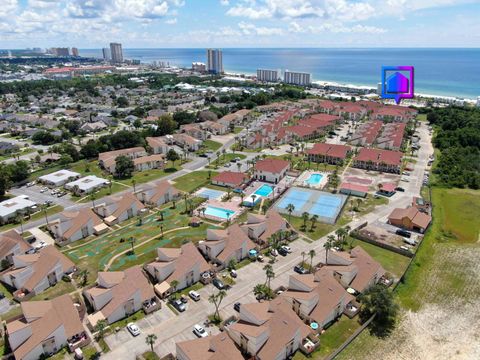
[
  {"x": 297, "y": 78},
  {"x": 214, "y": 61},
  {"x": 267, "y": 75},
  {"x": 116, "y": 53}
]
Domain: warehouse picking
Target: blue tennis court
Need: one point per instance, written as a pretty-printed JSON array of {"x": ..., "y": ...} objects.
[
  {"x": 210, "y": 193},
  {"x": 314, "y": 202}
]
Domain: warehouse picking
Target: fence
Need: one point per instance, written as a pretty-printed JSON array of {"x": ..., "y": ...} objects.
[{"x": 383, "y": 245}]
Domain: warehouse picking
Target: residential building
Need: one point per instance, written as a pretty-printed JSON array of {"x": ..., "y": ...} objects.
[
  {"x": 107, "y": 159},
  {"x": 271, "y": 170},
  {"x": 149, "y": 162},
  {"x": 366, "y": 133},
  {"x": 73, "y": 226},
  {"x": 116, "y": 53},
  {"x": 355, "y": 269},
  {"x": 115, "y": 210},
  {"x": 378, "y": 160},
  {"x": 317, "y": 297},
  {"x": 91, "y": 127},
  {"x": 221, "y": 246},
  {"x": 411, "y": 219},
  {"x": 118, "y": 294},
  {"x": 215, "y": 128},
  {"x": 391, "y": 136},
  {"x": 11, "y": 244},
  {"x": 214, "y": 347},
  {"x": 185, "y": 265},
  {"x": 194, "y": 130},
  {"x": 158, "y": 145},
  {"x": 11, "y": 208},
  {"x": 328, "y": 153},
  {"x": 297, "y": 78},
  {"x": 199, "y": 67},
  {"x": 187, "y": 142},
  {"x": 75, "y": 52},
  {"x": 268, "y": 330},
  {"x": 267, "y": 75},
  {"x": 45, "y": 327},
  {"x": 106, "y": 54},
  {"x": 31, "y": 274},
  {"x": 214, "y": 61},
  {"x": 8, "y": 148},
  {"x": 58, "y": 178},
  {"x": 351, "y": 111},
  {"x": 260, "y": 227},
  {"x": 230, "y": 179},
  {"x": 354, "y": 189},
  {"x": 159, "y": 194},
  {"x": 394, "y": 113},
  {"x": 86, "y": 185}
]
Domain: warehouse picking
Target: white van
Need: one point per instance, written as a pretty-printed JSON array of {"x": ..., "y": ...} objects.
[
  {"x": 409, "y": 241},
  {"x": 194, "y": 295}
]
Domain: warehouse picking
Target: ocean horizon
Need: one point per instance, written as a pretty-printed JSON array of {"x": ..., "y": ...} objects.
[{"x": 438, "y": 71}]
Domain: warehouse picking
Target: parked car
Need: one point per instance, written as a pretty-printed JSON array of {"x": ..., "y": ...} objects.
[
  {"x": 274, "y": 252},
  {"x": 194, "y": 295},
  {"x": 300, "y": 269},
  {"x": 40, "y": 245},
  {"x": 179, "y": 305},
  {"x": 236, "y": 306},
  {"x": 404, "y": 233},
  {"x": 409, "y": 241},
  {"x": 403, "y": 247},
  {"x": 218, "y": 284},
  {"x": 133, "y": 329},
  {"x": 30, "y": 184},
  {"x": 282, "y": 251},
  {"x": 286, "y": 248},
  {"x": 260, "y": 258},
  {"x": 406, "y": 173},
  {"x": 184, "y": 299},
  {"x": 199, "y": 331},
  {"x": 399, "y": 189},
  {"x": 233, "y": 273}
]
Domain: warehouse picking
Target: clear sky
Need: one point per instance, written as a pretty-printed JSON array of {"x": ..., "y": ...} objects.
[{"x": 239, "y": 23}]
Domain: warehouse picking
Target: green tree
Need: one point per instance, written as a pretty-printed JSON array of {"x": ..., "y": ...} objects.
[
  {"x": 290, "y": 208},
  {"x": 5, "y": 181},
  {"x": 328, "y": 246},
  {"x": 379, "y": 301},
  {"x": 305, "y": 217},
  {"x": 100, "y": 328},
  {"x": 269, "y": 273},
  {"x": 172, "y": 156},
  {"x": 124, "y": 167},
  {"x": 132, "y": 241},
  {"x": 311, "y": 254},
  {"x": 314, "y": 219},
  {"x": 232, "y": 264},
  {"x": 84, "y": 277},
  {"x": 150, "y": 340},
  {"x": 216, "y": 300}
]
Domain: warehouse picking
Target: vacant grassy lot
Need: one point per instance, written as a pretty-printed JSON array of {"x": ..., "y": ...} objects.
[
  {"x": 440, "y": 296},
  {"x": 194, "y": 180},
  {"x": 211, "y": 145},
  {"x": 225, "y": 158}
]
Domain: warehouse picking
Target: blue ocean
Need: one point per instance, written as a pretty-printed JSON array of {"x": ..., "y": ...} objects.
[{"x": 447, "y": 72}]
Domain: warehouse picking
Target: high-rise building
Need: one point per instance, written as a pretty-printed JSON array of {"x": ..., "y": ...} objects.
[
  {"x": 214, "y": 61},
  {"x": 478, "y": 101},
  {"x": 297, "y": 78},
  {"x": 75, "y": 52},
  {"x": 267, "y": 75},
  {"x": 116, "y": 52},
  {"x": 199, "y": 67},
  {"x": 106, "y": 54},
  {"x": 60, "y": 51},
  {"x": 379, "y": 89}
]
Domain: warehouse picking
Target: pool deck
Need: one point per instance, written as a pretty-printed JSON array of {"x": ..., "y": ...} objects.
[
  {"x": 302, "y": 179},
  {"x": 233, "y": 204}
]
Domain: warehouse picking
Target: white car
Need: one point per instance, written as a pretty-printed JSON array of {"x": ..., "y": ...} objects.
[
  {"x": 40, "y": 245},
  {"x": 274, "y": 252},
  {"x": 287, "y": 248},
  {"x": 194, "y": 295},
  {"x": 133, "y": 329},
  {"x": 199, "y": 331}
]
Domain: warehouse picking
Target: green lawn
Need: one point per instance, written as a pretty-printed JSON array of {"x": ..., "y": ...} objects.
[
  {"x": 194, "y": 180},
  {"x": 61, "y": 288},
  {"x": 333, "y": 337},
  {"x": 237, "y": 129},
  {"x": 148, "y": 355},
  {"x": 211, "y": 145},
  {"x": 392, "y": 262}
]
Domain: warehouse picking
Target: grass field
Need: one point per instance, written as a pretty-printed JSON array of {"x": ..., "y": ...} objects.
[
  {"x": 194, "y": 180},
  {"x": 440, "y": 296},
  {"x": 225, "y": 158},
  {"x": 211, "y": 145}
]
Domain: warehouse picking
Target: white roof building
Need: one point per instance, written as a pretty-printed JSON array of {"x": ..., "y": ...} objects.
[
  {"x": 59, "y": 178},
  {"x": 11, "y": 207},
  {"x": 86, "y": 184}
]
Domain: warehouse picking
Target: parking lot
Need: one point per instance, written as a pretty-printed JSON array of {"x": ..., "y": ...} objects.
[{"x": 38, "y": 194}]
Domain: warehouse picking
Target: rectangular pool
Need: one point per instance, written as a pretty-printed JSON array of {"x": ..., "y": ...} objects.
[
  {"x": 264, "y": 190},
  {"x": 314, "y": 179},
  {"x": 219, "y": 212}
]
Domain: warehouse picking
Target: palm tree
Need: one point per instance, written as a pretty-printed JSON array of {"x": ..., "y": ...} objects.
[
  {"x": 340, "y": 232},
  {"x": 150, "y": 340},
  {"x": 239, "y": 166},
  {"x": 110, "y": 183},
  {"x": 269, "y": 274},
  {"x": 290, "y": 208},
  {"x": 44, "y": 208},
  {"x": 92, "y": 197},
  {"x": 132, "y": 241},
  {"x": 84, "y": 276},
  {"x": 305, "y": 217},
  {"x": 313, "y": 220},
  {"x": 100, "y": 328},
  {"x": 19, "y": 219},
  {"x": 359, "y": 204},
  {"x": 264, "y": 208},
  {"x": 312, "y": 254},
  {"x": 185, "y": 197},
  {"x": 216, "y": 300},
  {"x": 259, "y": 289},
  {"x": 133, "y": 184},
  {"x": 328, "y": 245},
  {"x": 253, "y": 199},
  {"x": 232, "y": 264},
  {"x": 174, "y": 284},
  {"x": 303, "y": 257}
]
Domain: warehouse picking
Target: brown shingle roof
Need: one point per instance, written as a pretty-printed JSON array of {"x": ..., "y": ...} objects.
[
  {"x": 9, "y": 239},
  {"x": 218, "y": 347}
]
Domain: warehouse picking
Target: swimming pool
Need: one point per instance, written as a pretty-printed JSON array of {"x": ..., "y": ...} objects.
[
  {"x": 264, "y": 190},
  {"x": 314, "y": 179},
  {"x": 219, "y": 212}
]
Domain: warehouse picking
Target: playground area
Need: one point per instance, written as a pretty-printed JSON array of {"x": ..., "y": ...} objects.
[{"x": 113, "y": 250}]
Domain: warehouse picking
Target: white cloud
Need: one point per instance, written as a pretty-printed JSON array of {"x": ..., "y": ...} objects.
[
  {"x": 224, "y": 2},
  {"x": 250, "y": 29},
  {"x": 8, "y": 7},
  {"x": 171, "y": 21}
]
